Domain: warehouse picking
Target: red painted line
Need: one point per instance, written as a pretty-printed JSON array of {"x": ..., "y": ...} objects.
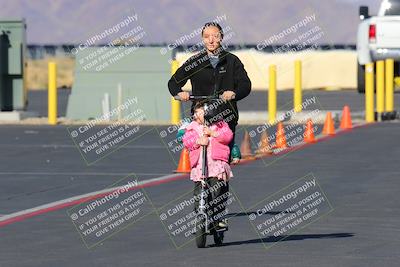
[
  {"x": 82, "y": 200},
  {"x": 320, "y": 139}
]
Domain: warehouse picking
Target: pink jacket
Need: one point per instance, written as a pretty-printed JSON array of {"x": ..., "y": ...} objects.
[{"x": 219, "y": 144}]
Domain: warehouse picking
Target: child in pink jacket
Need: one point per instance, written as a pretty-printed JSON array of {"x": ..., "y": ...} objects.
[{"x": 216, "y": 137}]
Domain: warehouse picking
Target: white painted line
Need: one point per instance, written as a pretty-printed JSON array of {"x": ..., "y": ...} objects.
[
  {"x": 82, "y": 173},
  {"x": 48, "y": 206},
  {"x": 74, "y": 146}
]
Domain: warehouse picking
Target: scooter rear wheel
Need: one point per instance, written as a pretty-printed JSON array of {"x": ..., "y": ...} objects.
[
  {"x": 201, "y": 237},
  {"x": 218, "y": 238}
]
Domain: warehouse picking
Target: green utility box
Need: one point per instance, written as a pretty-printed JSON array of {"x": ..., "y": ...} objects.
[
  {"x": 12, "y": 64},
  {"x": 141, "y": 74}
]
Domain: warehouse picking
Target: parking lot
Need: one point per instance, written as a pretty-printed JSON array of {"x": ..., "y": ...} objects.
[{"x": 357, "y": 170}]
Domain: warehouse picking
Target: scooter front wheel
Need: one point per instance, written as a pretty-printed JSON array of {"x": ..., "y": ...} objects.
[{"x": 201, "y": 237}]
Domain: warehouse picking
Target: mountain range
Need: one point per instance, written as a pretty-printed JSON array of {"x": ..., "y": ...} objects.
[{"x": 166, "y": 21}]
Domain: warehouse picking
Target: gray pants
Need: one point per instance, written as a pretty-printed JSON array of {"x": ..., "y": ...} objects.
[{"x": 219, "y": 193}]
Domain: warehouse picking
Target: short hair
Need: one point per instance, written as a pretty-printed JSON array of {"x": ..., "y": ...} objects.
[{"x": 215, "y": 24}]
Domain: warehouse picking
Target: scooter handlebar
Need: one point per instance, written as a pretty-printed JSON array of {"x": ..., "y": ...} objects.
[{"x": 199, "y": 97}]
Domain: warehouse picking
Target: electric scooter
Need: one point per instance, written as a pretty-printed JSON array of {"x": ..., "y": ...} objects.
[{"x": 204, "y": 226}]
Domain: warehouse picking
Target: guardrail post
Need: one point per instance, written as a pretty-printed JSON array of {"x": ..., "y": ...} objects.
[
  {"x": 389, "y": 70},
  {"x": 272, "y": 94},
  {"x": 369, "y": 92},
  {"x": 52, "y": 93},
  {"x": 380, "y": 88},
  {"x": 297, "y": 95},
  {"x": 175, "y": 104}
]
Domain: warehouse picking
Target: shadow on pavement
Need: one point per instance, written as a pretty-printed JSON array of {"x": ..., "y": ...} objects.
[
  {"x": 240, "y": 214},
  {"x": 273, "y": 239}
]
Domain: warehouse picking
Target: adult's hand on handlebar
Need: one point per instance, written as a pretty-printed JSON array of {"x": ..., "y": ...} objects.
[
  {"x": 184, "y": 96},
  {"x": 228, "y": 95}
]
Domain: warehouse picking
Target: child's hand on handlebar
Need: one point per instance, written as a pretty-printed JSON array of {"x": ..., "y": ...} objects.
[
  {"x": 184, "y": 96},
  {"x": 207, "y": 131},
  {"x": 203, "y": 141}
]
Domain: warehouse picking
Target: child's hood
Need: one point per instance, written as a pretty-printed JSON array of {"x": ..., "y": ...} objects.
[
  {"x": 195, "y": 126},
  {"x": 199, "y": 127}
]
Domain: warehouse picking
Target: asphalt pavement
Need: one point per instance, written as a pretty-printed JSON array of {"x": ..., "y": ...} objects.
[
  {"x": 256, "y": 101},
  {"x": 357, "y": 223}
]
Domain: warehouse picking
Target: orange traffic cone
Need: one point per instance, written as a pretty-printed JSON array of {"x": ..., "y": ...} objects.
[
  {"x": 245, "y": 147},
  {"x": 184, "y": 162},
  {"x": 329, "y": 125},
  {"x": 345, "y": 123},
  {"x": 280, "y": 136},
  {"x": 263, "y": 147},
  {"x": 309, "y": 133}
]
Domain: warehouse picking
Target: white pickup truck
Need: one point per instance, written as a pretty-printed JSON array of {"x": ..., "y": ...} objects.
[{"x": 378, "y": 38}]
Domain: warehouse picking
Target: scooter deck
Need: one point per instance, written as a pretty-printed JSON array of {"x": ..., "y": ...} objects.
[{"x": 218, "y": 229}]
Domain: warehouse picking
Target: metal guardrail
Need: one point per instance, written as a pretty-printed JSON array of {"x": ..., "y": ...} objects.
[
  {"x": 275, "y": 48},
  {"x": 43, "y": 51}
]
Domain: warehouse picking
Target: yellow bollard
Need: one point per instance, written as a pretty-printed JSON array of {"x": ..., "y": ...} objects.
[
  {"x": 52, "y": 93},
  {"x": 380, "y": 87},
  {"x": 175, "y": 104},
  {"x": 389, "y": 85},
  {"x": 272, "y": 95},
  {"x": 369, "y": 92},
  {"x": 297, "y": 95}
]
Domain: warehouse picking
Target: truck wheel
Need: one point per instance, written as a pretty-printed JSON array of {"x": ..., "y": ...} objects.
[{"x": 361, "y": 78}]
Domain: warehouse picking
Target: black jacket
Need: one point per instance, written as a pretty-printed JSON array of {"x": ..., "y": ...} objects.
[{"x": 229, "y": 75}]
